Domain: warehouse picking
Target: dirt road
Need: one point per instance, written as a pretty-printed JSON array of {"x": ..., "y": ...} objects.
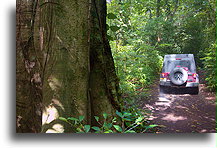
[{"x": 182, "y": 113}]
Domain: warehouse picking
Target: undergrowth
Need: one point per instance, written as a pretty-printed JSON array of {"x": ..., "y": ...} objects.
[
  {"x": 124, "y": 122},
  {"x": 137, "y": 67}
]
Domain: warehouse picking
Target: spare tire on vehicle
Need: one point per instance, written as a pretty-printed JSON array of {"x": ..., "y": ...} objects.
[{"x": 178, "y": 76}]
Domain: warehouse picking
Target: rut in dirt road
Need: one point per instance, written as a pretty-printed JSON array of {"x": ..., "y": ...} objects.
[{"x": 183, "y": 113}]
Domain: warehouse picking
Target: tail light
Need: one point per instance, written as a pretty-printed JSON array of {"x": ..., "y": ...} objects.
[
  {"x": 194, "y": 75},
  {"x": 164, "y": 75}
]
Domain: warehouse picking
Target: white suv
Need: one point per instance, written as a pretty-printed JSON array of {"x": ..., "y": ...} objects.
[{"x": 179, "y": 71}]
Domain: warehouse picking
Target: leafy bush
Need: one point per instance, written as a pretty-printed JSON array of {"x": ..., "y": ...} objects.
[
  {"x": 209, "y": 62},
  {"x": 130, "y": 123},
  {"x": 136, "y": 66}
]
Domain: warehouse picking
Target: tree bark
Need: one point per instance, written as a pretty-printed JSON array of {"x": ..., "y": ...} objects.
[
  {"x": 28, "y": 81},
  {"x": 104, "y": 89},
  {"x": 74, "y": 65},
  {"x": 66, "y": 68}
]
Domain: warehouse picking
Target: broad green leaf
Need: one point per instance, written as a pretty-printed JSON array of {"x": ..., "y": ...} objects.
[
  {"x": 108, "y": 131},
  {"x": 119, "y": 114},
  {"x": 118, "y": 128},
  {"x": 81, "y": 118},
  {"x": 96, "y": 128},
  {"x": 131, "y": 131},
  {"x": 114, "y": 28},
  {"x": 80, "y": 132},
  {"x": 139, "y": 119},
  {"x": 86, "y": 128},
  {"x": 97, "y": 118},
  {"x": 107, "y": 125},
  {"x": 105, "y": 115},
  {"x": 111, "y": 16},
  {"x": 63, "y": 119},
  {"x": 127, "y": 119},
  {"x": 127, "y": 114},
  {"x": 114, "y": 120}
]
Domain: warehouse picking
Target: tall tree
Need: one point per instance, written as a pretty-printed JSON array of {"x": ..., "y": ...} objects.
[
  {"x": 105, "y": 95},
  {"x": 28, "y": 81},
  {"x": 77, "y": 68}
]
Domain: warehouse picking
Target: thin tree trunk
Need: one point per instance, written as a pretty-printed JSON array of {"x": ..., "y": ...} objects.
[{"x": 104, "y": 87}]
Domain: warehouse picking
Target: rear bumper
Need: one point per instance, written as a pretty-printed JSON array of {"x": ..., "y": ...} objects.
[
  {"x": 188, "y": 84},
  {"x": 165, "y": 83},
  {"x": 192, "y": 84}
]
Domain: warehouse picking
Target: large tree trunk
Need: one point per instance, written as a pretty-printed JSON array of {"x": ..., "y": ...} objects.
[
  {"x": 28, "y": 81},
  {"x": 66, "y": 68},
  {"x": 76, "y": 65}
]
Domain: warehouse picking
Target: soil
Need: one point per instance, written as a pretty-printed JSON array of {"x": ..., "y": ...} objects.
[{"x": 178, "y": 112}]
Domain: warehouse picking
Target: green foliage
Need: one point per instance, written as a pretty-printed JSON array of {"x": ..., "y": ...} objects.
[
  {"x": 97, "y": 118},
  {"x": 136, "y": 67},
  {"x": 105, "y": 115},
  {"x": 125, "y": 122},
  {"x": 186, "y": 26},
  {"x": 114, "y": 28},
  {"x": 63, "y": 119},
  {"x": 81, "y": 118},
  {"x": 141, "y": 33},
  {"x": 210, "y": 68},
  {"x": 86, "y": 128},
  {"x": 118, "y": 128},
  {"x": 97, "y": 129},
  {"x": 111, "y": 16}
]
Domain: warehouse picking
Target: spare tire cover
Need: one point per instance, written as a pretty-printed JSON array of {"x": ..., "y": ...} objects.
[{"x": 178, "y": 76}]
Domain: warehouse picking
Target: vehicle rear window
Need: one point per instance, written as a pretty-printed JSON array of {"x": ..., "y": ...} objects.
[{"x": 171, "y": 64}]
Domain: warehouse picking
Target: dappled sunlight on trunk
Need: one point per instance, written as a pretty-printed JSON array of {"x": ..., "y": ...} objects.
[
  {"x": 54, "y": 83},
  {"x": 50, "y": 118},
  {"x": 49, "y": 115},
  {"x": 56, "y": 128}
]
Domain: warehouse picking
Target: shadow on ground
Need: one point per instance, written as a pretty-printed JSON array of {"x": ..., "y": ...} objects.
[{"x": 180, "y": 112}]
